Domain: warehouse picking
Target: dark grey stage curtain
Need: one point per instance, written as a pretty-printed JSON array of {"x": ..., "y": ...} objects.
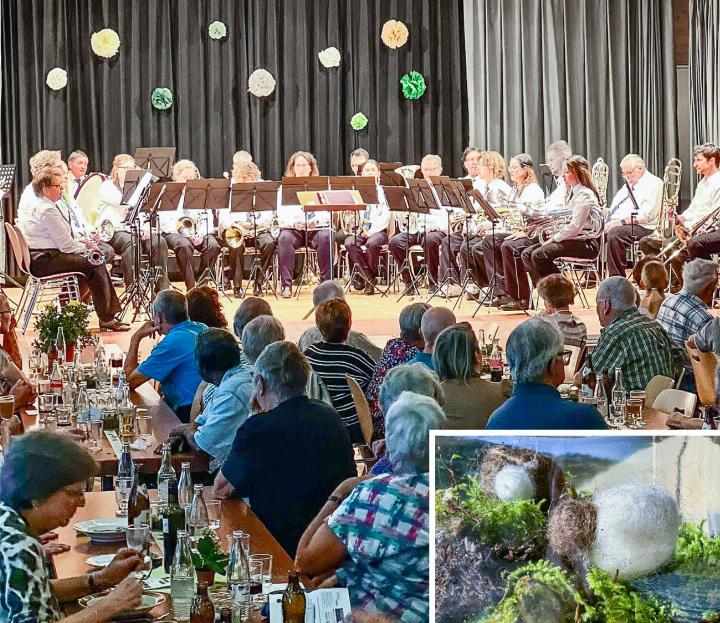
[
  {"x": 597, "y": 73},
  {"x": 106, "y": 109},
  {"x": 704, "y": 69}
]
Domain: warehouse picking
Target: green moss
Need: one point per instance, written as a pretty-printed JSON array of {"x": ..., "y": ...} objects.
[{"x": 696, "y": 550}]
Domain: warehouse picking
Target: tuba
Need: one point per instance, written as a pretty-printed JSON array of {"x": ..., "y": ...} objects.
[{"x": 599, "y": 175}]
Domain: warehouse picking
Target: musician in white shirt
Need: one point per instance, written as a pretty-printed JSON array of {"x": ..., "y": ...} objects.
[
  {"x": 55, "y": 249},
  {"x": 264, "y": 242},
  {"x": 626, "y": 223},
  {"x": 28, "y": 198},
  {"x": 371, "y": 233},
  {"x": 111, "y": 208},
  {"x": 202, "y": 239},
  {"x": 358, "y": 158},
  {"x": 516, "y": 283},
  {"x": 292, "y": 221},
  {"x": 77, "y": 164}
]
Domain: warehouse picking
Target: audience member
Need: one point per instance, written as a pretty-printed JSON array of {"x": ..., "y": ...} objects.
[
  {"x": 469, "y": 400},
  {"x": 374, "y": 533},
  {"x": 707, "y": 340},
  {"x": 655, "y": 280},
  {"x": 333, "y": 359},
  {"x": 628, "y": 340},
  {"x": 13, "y": 381},
  {"x": 558, "y": 293},
  {"x": 434, "y": 321},
  {"x": 259, "y": 333},
  {"x": 42, "y": 484},
  {"x": 535, "y": 354},
  {"x": 7, "y": 331},
  {"x": 288, "y": 458},
  {"x": 250, "y": 308},
  {"x": 171, "y": 361},
  {"x": 686, "y": 312},
  {"x": 217, "y": 356},
  {"x": 327, "y": 291},
  {"x": 397, "y": 351},
  {"x": 204, "y": 306}
]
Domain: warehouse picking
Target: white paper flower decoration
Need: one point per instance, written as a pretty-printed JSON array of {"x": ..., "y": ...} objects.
[
  {"x": 394, "y": 34},
  {"x": 105, "y": 43},
  {"x": 217, "y": 30},
  {"x": 56, "y": 79},
  {"x": 329, "y": 57},
  {"x": 261, "y": 83}
]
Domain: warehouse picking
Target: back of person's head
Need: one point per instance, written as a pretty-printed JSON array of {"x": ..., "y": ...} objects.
[
  {"x": 40, "y": 463},
  {"x": 434, "y": 321},
  {"x": 655, "y": 279},
  {"x": 44, "y": 158},
  {"x": 216, "y": 350},
  {"x": 619, "y": 292},
  {"x": 334, "y": 319},
  {"x": 531, "y": 347},
  {"x": 250, "y": 308},
  {"x": 556, "y": 291},
  {"x": 699, "y": 275},
  {"x": 413, "y": 377},
  {"x": 327, "y": 291},
  {"x": 284, "y": 369},
  {"x": 456, "y": 354},
  {"x": 258, "y": 333},
  {"x": 410, "y": 321},
  {"x": 172, "y": 305},
  {"x": 204, "y": 306},
  {"x": 407, "y": 432}
]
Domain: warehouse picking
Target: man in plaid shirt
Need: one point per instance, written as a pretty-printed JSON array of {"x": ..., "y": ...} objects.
[
  {"x": 687, "y": 312},
  {"x": 638, "y": 346}
]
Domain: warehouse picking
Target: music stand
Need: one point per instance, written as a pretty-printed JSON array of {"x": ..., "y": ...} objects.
[
  {"x": 159, "y": 160},
  {"x": 424, "y": 195},
  {"x": 388, "y": 176},
  {"x": 162, "y": 197},
  {"x": 251, "y": 197},
  {"x": 7, "y": 179}
]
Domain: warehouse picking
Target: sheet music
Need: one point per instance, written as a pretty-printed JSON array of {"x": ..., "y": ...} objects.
[{"x": 145, "y": 181}]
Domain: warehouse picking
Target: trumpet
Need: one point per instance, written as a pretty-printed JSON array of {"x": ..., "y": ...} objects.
[
  {"x": 94, "y": 257},
  {"x": 106, "y": 230},
  {"x": 187, "y": 226}
]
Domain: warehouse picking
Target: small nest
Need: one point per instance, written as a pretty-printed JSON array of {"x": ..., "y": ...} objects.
[
  {"x": 572, "y": 526},
  {"x": 548, "y": 477}
]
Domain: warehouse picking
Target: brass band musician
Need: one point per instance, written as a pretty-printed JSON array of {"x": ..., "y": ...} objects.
[{"x": 77, "y": 164}]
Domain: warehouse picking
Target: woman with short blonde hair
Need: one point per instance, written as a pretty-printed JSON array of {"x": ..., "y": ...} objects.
[{"x": 184, "y": 171}]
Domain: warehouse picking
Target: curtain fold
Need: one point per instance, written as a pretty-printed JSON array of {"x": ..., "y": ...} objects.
[
  {"x": 105, "y": 108},
  {"x": 598, "y": 73}
]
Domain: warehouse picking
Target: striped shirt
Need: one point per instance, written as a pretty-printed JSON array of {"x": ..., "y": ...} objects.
[{"x": 331, "y": 362}]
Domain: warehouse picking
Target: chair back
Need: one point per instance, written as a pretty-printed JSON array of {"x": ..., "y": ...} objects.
[
  {"x": 362, "y": 408},
  {"x": 671, "y": 401},
  {"x": 657, "y": 384},
  {"x": 392, "y": 225},
  {"x": 24, "y": 246},
  {"x": 704, "y": 367},
  {"x": 572, "y": 366},
  {"x": 12, "y": 234}
]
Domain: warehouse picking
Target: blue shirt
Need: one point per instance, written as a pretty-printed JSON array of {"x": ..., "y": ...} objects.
[
  {"x": 422, "y": 357},
  {"x": 223, "y": 413},
  {"x": 539, "y": 406},
  {"x": 172, "y": 364}
]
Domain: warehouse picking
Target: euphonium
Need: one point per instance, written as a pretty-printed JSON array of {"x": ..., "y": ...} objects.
[
  {"x": 94, "y": 256},
  {"x": 234, "y": 236},
  {"x": 599, "y": 175},
  {"x": 408, "y": 170},
  {"x": 187, "y": 226},
  {"x": 105, "y": 230}
]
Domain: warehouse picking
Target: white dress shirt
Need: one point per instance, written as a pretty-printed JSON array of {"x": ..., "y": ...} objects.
[
  {"x": 648, "y": 192},
  {"x": 110, "y": 207},
  {"x": 706, "y": 199},
  {"x": 48, "y": 226},
  {"x": 585, "y": 207},
  {"x": 288, "y": 215},
  {"x": 531, "y": 194},
  {"x": 28, "y": 200},
  {"x": 437, "y": 219},
  {"x": 377, "y": 213}
]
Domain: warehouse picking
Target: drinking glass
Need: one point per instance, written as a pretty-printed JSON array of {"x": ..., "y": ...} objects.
[
  {"x": 634, "y": 413},
  {"x": 46, "y": 406},
  {"x": 50, "y": 423},
  {"x": 44, "y": 386},
  {"x": 256, "y": 582},
  {"x": 122, "y": 492},
  {"x": 94, "y": 434},
  {"x": 144, "y": 425},
  {"x": 213, "y": 509},
  {"x": 638, "y": 394},
  {"x": 138, "y": 537},
  {"x": 126, "y": 429},
  {"x": 62, "y": 413},
  {"x": 7, "y": 406},
  {"x": 264, "y": 569}
]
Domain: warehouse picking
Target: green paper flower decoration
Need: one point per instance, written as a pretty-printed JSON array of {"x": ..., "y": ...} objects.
[
  {"x": 413, "y": 85},
  {"x": 358, "y": 121},
  {"x": 217, "y": 30},
  {"x": 162, "y": 98}
]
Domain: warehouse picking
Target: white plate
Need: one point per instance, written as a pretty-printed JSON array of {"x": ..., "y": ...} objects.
[
  {"x": 103, "y": 530},
  {"x": 149, "y": 601},
  {"x": 103, "y": 560}
]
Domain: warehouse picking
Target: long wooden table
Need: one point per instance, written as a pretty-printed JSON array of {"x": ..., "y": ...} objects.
[{"x": 163, "y": 421}]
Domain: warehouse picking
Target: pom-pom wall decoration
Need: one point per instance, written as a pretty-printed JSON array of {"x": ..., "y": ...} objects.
[
  {"x": 56, "y": 79},
  {"x": 358, "y": 121},
  {"x": 162, "y": 98},
  {"x": 261, "y": 83},
  {"x": 394, "y": 34},
  {"x": 329, "y": 57},
  {"x": 105, "y": 43},
  {"x": 217, "y": 30},
  {"x": 413, "y": 85}
]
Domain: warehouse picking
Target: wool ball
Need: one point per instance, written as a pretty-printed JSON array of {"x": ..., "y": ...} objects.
[
  {"x": 637, "y": 529},
  {"x": 513, "y": 482}
]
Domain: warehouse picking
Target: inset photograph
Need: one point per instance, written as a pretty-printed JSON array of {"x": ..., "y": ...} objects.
[{"x": 568, "y": 529}]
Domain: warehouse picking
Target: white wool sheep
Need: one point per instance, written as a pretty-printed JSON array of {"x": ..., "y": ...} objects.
[
  {"x": 637, "y": 528},
  {"x": 514, "y": 482}
]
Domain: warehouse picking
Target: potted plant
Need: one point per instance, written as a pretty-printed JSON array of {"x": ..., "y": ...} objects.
[
  {"x": 73, "y": 317},
  {"x": 208, "y": 559}
]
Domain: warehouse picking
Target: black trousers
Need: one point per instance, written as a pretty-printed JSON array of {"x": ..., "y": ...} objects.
[
  {"x": 183, "y": 247},
  {"x": 265, "y": 243},
  {"x": 52, "y": 262},
  {"x": 399, "y": 245},
  {"x": 121, "y": 243},
  {"x": 450, "y": 247},
  {"x": 539, "y": 258},
  {"x": 433, "y": 240},
  {"x": 492, "y": 254},
  {"x": 618, "y": 241},
  {"x": 368, "y": 260},
  {"x": 516, "y": 279},
  {"x": 471, "y": 257}
]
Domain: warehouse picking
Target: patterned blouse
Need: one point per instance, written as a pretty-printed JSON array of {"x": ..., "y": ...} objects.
[
  {"x": 397, "y": 351},
  {"x": 25, "y": 592},
  {"x": 384, "y": 524}
]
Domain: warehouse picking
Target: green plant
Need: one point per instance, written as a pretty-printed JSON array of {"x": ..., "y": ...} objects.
[
  {"x": 696, "y": 550},
  {"x": 208, "y": 556},
  {"x": 73, "y": 317}
]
